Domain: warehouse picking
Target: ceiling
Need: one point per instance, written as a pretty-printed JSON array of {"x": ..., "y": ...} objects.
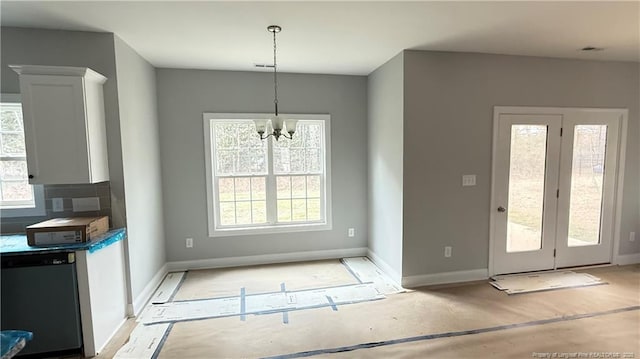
[{"x": 341, "y": 37}]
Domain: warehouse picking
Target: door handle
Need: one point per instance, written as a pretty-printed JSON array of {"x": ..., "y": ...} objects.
[{"x": 502, "y": 209}]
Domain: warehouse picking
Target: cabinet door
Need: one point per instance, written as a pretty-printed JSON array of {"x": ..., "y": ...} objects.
[{"x": 55, "y": 129}]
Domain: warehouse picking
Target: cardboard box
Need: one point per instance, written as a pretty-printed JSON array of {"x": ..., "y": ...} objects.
[{"x": 66, "y": 230}]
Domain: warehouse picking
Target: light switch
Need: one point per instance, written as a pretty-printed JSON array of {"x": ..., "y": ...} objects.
[
  {"x": 86, "y": 204},
  {"x": 468, "y": 180}
]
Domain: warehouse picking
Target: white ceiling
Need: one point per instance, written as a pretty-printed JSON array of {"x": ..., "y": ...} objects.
[{"x": 341, "y": 37}]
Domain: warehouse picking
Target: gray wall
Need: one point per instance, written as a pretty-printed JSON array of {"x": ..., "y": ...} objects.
[
  {"x": 22, "y": 46},
  {"x": 385, "y": 153},
  {"x": 141, "y": 166},
  {"x": 183, "y": 95},
  {"x": 132, "y": 130},
  {"x": 449, "y": 99}
]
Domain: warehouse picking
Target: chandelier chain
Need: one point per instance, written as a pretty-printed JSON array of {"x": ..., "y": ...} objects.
[{"x": 275, "y": 74}]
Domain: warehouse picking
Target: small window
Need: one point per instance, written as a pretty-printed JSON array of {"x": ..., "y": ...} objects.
[
  {"x": 17, "y": 197},
  {"x": 259, "y": 186}
]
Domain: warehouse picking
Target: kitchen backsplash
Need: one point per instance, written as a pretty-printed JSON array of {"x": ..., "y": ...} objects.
[{"x": 67, "y": 193}]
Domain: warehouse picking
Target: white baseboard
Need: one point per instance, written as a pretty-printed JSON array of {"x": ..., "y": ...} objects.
[
  {"x": 265, "y": 259},
  {"x": 384, "y": 266},
  {"x": 626, "y": 259},
  {"x": 444, "y": 278},
  {"x": 99, "y": 350},
  {"x": 141, "y": 300}
]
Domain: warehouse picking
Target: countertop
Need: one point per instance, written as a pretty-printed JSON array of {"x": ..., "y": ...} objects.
[{"x": 16, "y": 244}]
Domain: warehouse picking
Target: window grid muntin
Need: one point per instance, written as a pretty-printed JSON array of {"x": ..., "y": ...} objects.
[
  {"x": 236, "y": 149},
  {"x": 304, "y": 148},
  {"x": 306, "y": 198},
  {"x": 235, "y": 200}
]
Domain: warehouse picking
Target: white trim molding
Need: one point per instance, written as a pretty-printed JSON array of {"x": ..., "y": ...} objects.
[
  {"x": 626, "y": 259},
  {"x": 266, "y": 259},
  {"x": 397, "y": 277},
  {"x": 415, "y": 281},
  {"x": 134, "y": 309},
  {"x": 58, "y": 71},
  {"x": 622, "y": 160},
  {"x": 115, "y": 331}
]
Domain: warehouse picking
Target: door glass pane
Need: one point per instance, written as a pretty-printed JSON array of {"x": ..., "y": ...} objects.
[
  {"x": 587, "y": 174},
  {"x": 526, "y": 187}
]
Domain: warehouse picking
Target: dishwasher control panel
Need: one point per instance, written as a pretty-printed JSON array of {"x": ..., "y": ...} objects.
[{"x": 34, "y": 260}]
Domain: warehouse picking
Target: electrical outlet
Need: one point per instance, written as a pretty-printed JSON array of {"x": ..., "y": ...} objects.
[
  {"x": 189, "y": 242},
  {"x": 57, "y": 204},
  {"x": 632, "y": 237},
  {"x": 351, "y": 232},
  {"x": 447, "y": 251}
]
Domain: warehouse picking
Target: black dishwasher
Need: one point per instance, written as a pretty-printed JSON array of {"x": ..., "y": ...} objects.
[{"x": 40, "y": 295}]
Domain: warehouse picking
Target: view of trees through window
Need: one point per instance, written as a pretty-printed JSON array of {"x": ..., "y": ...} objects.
[
  {"x": 587, "y": 181},
  {"x": 253, "y": 192},
  {"x": 15, "y": 190},
  {"x": 527, "y": 186}
]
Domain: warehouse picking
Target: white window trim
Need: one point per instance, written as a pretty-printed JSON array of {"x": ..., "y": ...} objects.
[
  {"x": 38, "y": 190},
  {"x": 270, "y": 229}
]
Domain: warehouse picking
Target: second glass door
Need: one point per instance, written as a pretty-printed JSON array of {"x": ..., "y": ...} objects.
[{"x": 588, "y": 167}]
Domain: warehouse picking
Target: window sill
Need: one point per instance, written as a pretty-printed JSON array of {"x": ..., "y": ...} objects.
[
  {"x": 275, "y": 229},
  {"x": 13, "y": 212},
  {"x": 21, "y": 211}
]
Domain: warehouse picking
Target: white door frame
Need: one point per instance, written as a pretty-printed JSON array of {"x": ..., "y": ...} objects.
[{"x": 619, "y": 176}]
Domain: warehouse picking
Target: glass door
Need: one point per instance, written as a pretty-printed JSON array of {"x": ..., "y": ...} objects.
[
  {"x": 586, "y": 191},
  {"x": 525, "y": 192},
  {"x": 554, "y": 182}
]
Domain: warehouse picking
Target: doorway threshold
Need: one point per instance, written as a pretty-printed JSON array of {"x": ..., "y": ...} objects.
[{"x": 584, "y": 267}]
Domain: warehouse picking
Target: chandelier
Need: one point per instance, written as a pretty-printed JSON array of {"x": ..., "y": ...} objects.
[{"x": 276, "y": 126}]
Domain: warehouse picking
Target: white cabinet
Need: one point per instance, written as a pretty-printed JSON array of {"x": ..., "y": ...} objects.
[{"x": 65, "y": 135}]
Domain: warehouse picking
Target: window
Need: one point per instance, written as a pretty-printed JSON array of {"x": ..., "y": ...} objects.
[
  {"x": 17, "y": 197},
  {"x": 266, "y": 186}
]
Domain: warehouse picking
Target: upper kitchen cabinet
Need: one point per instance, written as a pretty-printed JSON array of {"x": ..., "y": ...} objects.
[{"x": 65, "y": 135}]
